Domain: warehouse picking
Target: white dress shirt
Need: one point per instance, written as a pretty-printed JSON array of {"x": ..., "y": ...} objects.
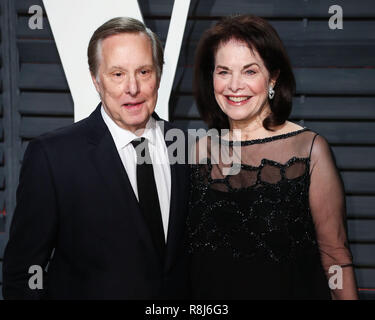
[{"x": 159, "y": 158}]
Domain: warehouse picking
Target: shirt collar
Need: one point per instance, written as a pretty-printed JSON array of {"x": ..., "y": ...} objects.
[{"x": 123, "y": 137}]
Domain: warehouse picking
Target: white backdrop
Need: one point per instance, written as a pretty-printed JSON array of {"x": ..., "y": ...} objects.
[{"x": 73, "y": 23}]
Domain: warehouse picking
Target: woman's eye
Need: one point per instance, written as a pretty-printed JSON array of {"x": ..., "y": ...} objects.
[
  {"x": 223, "y": 72},
  {"x": 250, "y": 72},
  {"x": 118, "y": 74}
]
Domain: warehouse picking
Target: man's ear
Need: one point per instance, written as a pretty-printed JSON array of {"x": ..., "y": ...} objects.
[
  {"x": 95, "y": 82},
  {"x": 158, "y": 84}
]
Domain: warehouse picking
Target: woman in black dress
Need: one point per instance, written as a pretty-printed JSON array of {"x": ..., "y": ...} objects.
[{"x": 274, "y": 228}]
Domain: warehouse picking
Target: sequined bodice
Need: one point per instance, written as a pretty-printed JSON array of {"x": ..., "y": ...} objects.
[{"x": 263, "y": 211}]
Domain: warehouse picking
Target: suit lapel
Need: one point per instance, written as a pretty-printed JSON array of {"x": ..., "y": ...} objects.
[{"x": 107, "y": 161}]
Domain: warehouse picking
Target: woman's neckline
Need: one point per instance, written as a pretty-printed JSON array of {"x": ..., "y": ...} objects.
[{"x": 266, "y": 139}]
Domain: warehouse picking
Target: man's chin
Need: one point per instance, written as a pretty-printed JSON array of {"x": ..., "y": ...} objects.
[{"x": 135, "y": 125}]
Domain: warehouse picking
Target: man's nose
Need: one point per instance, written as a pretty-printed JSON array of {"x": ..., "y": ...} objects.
[{"x": 132, "y": 86}]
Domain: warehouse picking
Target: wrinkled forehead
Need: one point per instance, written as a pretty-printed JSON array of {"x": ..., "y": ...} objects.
[
  {"x": 130, "y": 41},
  {"x": 126, "y": 48}
]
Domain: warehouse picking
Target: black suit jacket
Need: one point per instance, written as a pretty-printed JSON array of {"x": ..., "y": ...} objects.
[{"x": 74, "y": 200}]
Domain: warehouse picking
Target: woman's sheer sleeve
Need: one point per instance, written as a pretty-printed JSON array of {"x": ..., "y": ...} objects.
[{"x": 327, "y": 203}]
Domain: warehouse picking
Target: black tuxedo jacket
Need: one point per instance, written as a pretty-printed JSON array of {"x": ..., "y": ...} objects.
[{"x": 75, "y": 201}]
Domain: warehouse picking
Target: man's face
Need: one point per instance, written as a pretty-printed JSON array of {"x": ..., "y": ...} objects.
[{"x": 126, "y": 80}]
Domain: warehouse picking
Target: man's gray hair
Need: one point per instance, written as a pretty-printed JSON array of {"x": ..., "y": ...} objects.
[{"x": 123, "y": 25}]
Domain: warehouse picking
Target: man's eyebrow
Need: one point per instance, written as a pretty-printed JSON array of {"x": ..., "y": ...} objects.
[
  {"x": 140, "y": 67},
  {"x": 146, "y": 66},
  {"x": 117, "y": 67}
]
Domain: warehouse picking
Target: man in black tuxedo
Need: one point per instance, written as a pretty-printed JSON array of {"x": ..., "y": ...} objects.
[{"x": 108, "y": 225}]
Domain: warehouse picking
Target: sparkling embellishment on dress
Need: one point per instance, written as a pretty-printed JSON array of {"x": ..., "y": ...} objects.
[{"x": 267, "y": 218}]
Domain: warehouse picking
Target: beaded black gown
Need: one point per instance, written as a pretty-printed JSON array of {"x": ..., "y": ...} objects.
[{"x": 273, "y": 229}]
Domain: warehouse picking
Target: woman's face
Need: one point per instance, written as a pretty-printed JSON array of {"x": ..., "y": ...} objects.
[{"x": 241, "y": 82}]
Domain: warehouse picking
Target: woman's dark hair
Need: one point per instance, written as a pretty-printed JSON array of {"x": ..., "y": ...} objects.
[{"x": 260, "y": 36}]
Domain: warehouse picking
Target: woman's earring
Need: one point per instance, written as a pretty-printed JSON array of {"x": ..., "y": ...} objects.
[{"x": 271, "y": 93}]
